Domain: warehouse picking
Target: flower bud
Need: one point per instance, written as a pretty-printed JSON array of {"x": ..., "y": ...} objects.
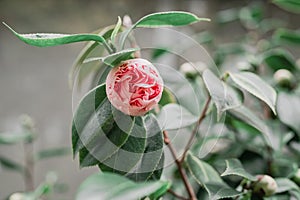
[
  {"x": 134, "y": 87},
  {"x": 284, "y": 77},
  {"x": 192, "y": 70},
  {"x": 265, "y": 185},
  {"x": 17, "y": 196}
]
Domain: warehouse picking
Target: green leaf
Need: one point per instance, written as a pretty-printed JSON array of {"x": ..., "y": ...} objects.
[
  {"x": 103, "y": 136},
  {"x": 289, "y": 5},
  {"x": 91, "y": 48},
  {"x": 173, "y": 116},
  {"x": 52, "y": 39},
  {"x": 235, "y": 167},
  {"x": 13, "y": 138},
  {"x": 115, "y": 58},
  {"x": 256, "y": 86},
  {"x": 288, "y": 108},
  {"x": 116, "y": 30},
  {"x": 288, "y": 36},
  {"x": 246, "y": 115},
  {"x": 167, "y": 97},
  {"x": 285, "y": 185},
  {"x": 279, "y": 59},
  {"x": 208, "y": 177},
  {"x": 223, "y": 96},
  {"x": 162, "y": 19},
  {"x": 107, "y": 186},
  {"x": 55, "y": 152},
  {"x": 171, "y": 18},
  {"x": 11, "y": 165}
]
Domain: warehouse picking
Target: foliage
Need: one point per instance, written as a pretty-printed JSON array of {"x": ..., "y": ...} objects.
[{"x": 250, "y": 119}]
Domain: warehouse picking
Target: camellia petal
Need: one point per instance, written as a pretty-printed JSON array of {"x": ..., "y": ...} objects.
[{"x": 134, "y": 86}]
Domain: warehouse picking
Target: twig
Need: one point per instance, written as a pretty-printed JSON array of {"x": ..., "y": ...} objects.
[
  {"x": 182, "y": 172},
  {"x": 195, "y": 130},
  {"x": 176, "y": 195}
]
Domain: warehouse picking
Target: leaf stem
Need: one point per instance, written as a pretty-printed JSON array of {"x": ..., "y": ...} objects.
[
  {"x": 181, "y": 170},
  {"x": 195, "y": 130}
]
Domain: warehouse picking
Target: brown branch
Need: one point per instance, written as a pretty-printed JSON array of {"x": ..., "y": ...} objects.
[
  {"x": 176, "y": 195},
  {"x": 181, "y": 170},
  {"x": 195, "y": 130}
]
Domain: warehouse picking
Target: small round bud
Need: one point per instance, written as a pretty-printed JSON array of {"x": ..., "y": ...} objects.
[
  {"x": 192, "y": 70},
  {"x": 17, "y": 196},
  {"x": 284, "y": 77},
  {"x": 27, "y": 122},
  {"x": 265, "y": 185}
]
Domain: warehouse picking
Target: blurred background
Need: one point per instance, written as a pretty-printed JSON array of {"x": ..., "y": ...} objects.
[{"x": 35, "y": 80}]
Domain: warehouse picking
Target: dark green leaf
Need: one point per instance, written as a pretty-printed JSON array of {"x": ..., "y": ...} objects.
[
  {"x": 279, "y": 59},
  {"x": 288, "y": 108},
  {"x": 171, "y": 18},
  {"x": 107, "y": 186},
  {"x": 208, "y": 177},
  {"x": 103, "y": 136},
  {"x": 289, "y": 5},
  {"x": 174, "y": 116},
  {"x": 256, "y": 86},
  {"x": 223, "y": 96},
  {"x": 11, "y": 165},
  {"x": 115, "y": 58},
  {"x": 288, "y": 36},
  {"x": 52, "y": 39},
  {"x": 235, "y": 167},
  {"x": 13, "y": 138},
  {"x": 55, "y": 152}
]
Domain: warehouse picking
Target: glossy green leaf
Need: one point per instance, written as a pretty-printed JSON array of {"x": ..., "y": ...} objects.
[
  {"x": 107, "y": 186},
  {"x": 288, "y": 36},
  {"x": 162, "y": 19},
  {"x": 206, "y": 176},
  {"x": 52, "y": 39},
  {"x": 288, "y": 108},
  {"x": 51, "y": 153},
  {"x": 223, "y": 96},
  {"x": 279, "y": 59},
  {"x": 171, "y": 18},
  {"x": 103, "y": 136},
  {"x": 13, "y": 138},
  {"x": 115, "y": 58},
  {"x": 139, "y": 161},
  {"x": 173, "y": 116},
  {"x": 256, "y": 86},
  {"x": 235, "y": 167},
  {"x": 246, "y": 115},
  {"x": 11, "y": 165},
  {"x": 289, "y": 5}
]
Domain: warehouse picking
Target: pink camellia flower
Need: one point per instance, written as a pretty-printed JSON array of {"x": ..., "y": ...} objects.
[{"x": 134, "y": 86}]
